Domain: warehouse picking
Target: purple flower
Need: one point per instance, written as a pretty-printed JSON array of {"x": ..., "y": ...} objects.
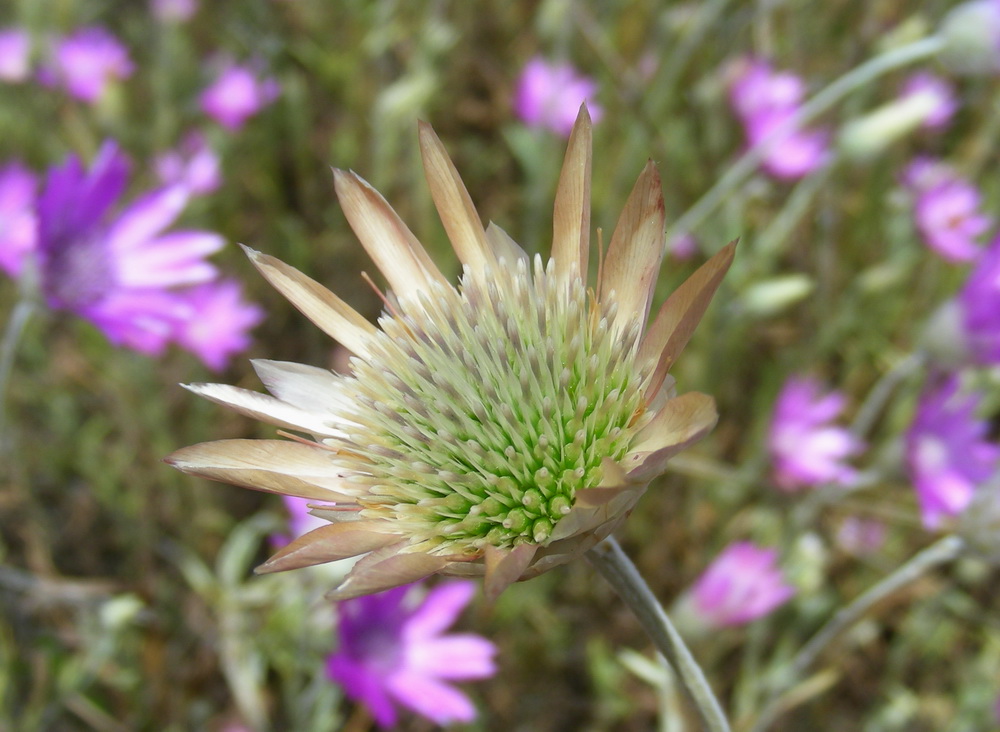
[
  {"x": 947, "y": 452},
  {"x": 550, "y": 95},
  {"x": 742, "y": 584},
  {"x": 946, "y": 209},
  {"x": 219, "y": 325},
  {"x": 236, "y": 95},
  {"x": 939, "y": 94},
  {"x": 193, "y": 164},
  {"x": 17, "y": 217},
  {"x": 979, "y": 305},
  {"x": 860, "y": 536},
  {"x": 122, "y": 274},
  {"x": 15, "y": 54},
  {"x": 807, "y": 451},
  {"x": 173, "y": 11},
  {"x": 765, "y": 101},
  {"x": 394, "y": 651},
  {"x": 85, "y": 62}
]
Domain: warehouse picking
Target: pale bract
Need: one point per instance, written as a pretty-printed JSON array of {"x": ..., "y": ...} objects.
[{"x": 498, "y": 428}]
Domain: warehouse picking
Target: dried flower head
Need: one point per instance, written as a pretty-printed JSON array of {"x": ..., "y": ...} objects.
[{"x": 500, "y": 428}]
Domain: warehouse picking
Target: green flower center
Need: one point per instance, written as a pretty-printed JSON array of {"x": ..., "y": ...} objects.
[{"x": 478, "y": 417}]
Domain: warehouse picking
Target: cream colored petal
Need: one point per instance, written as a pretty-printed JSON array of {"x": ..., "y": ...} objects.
[
  {"x": 336, "y": 514},
  {"x": 454, "y": 205},
  {"x": 633, "y": 260},
  {"x": 391, "y": 245},
  {"x": 680, "y": 314},
  {"x": 274, "y": 466},
  {"x": 571, "y": 214},
  {"x": 267, "y": 409},
  {"x": 504, "y": 247},
  {"x": 303, "y": 386},
  {"x": 330, "y": 314},
  {"x": 328, "y": 544},
  {"x": 504, "y": 567},
  {"x": 683, "y": 421},
  {"x": 386, "y": 568},
  {"x": 582, "y": 518}
]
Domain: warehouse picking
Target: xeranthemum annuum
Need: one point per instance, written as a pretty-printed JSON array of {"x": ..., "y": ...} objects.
[{"x": 497, "y": 429}]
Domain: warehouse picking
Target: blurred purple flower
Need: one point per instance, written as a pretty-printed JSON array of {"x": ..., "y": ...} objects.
[
  {"x": 220, "y": 324},
  {"x": 946, "y": 210},
  {"x": 121, "y": 274},
  {"x": 807, "y": 451},
  {"x": 947, "y": 452},
  {"x": 15, "y": 54},
  {"x": 17, "y": 217},
  {"x": 939, "y": 92},
  {"x": 979, "y": 308},
  {"x": 391, "y": 651},
  {"x": 193, "y": 164},
  {"x": 550, "y": 95},
  {"x": 742, "y": 584},
  {"x": 860, "y": 536},
  {"x": 766, "y": 100},
  {"x": 86, "y": 61},
  {"x": 173, "y": 11},
  {"x": 236, "y": 95}
]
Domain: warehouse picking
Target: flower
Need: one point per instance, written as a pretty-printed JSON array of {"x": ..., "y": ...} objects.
[
  {"x": 17, "y": 217},
  {"x": 236, "y": 95},
  {"x": 15, "y": 54},
  {"x": 742, "y": 584},
  {"x": 860, "y": 536},
  {"x": 173, "y": 11},
  {"x": 978, "y": 304},
  {"x": 500, "y": 428},
  {"x": 86, "y": 61},
  {"x": 124, "y": 274},
  {"x": 393, "y": 653},
  {"x": 766, "y": 101},
  {"x": 946, "y": 210},
  {"x": 807, "y": 451},
  {"x": 947, "y": 453},
  {"x": 220, "y": 328},
  {"x": 193, "y": 164},
  {"x": 940, "y": 96},
  {"x": 549, "y": 96}
]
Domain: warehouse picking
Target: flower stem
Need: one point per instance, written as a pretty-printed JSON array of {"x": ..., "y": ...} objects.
[
  {"x": 19, "y": 318},
  {"x": 822, "y": 101},
  {"x": 936, "y": 554},
  {"x": 615, "y": 566}
]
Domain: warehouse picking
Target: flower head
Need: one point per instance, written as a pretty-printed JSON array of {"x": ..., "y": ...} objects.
[
  {"x": 222, "y": 324},
  {"x": 121, "y": 273},
  {"x": 946, "y": 210},
  {"x": 549, "y": 96},
  {"x": 938, "y": 94},
  {"x": 193, "y": 163},
  {"x": 498, "y": 428},
  {"x": 15, "y": 54},
  {"x": 806, "y": 448},
  {"x": 391, "y": 651},
  {"x": 971, "y": 35},
  {"x": 741, "y": 585},
  {"x": 765, "y": 101},
  {"x": 17, "y": 217},
  {"x": 86, "y": 61},
  {"x": 236, "y": 95},
  {"x": 978, "y": 304},
  {"x": 947, "y": 452},
  {"x": 173, "y": 11}
]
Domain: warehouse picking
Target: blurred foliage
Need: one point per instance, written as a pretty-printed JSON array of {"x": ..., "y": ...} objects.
[{"x": 126, "y": 595}]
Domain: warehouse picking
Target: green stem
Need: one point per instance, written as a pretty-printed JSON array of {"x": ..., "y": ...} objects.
[
  {"x": 19, "y": 318},
  {"x": 821, "y": 102},
  {"x": 615, "y": 566},
  {"x": 942, "y": 551}
]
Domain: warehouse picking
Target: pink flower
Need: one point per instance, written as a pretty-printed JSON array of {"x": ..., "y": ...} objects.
[
  {"x": 173, "y": 11},
  {"x": 219, "y": 321},
  {"x": 806, "y": 449},
  {"x": 17, "y": 217},
  {"x": 550, "y": 95},
  {"x": 193, "y": 164},
  {"x": 938, "y": 92},
  {"x": 237, "y": 95},
  {"x": 978, "y": 306},
  {"x": 742, "y": 584},
  {"x": 946, "y": 210},
  {"x": 947, "y": 452},
  {"x": 393, "y": 650},
  {"x": 15, "y": 54},
  {"x": 765, "y": 101},
  {"x": 860, "y": 536},
  {"x": 85, "y": 62}
]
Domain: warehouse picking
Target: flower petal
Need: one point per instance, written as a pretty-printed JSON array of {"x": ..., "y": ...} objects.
[
  {"x": 275, "y": 466},
  {"x": 386, "y": 568},
  {"x": 636, "y": 249},
  {"x": 504, "y": 247},
  {"x": 439, "y": 610},
  {"x": 504, "y": 567},
  {"x": 308, "y": 387},
  {"x": 682, "y": 421},
  {"x": 571, "y": 213},
  {"x": 330, "y": 543},
  {"x": 266, "y": 408},
  {"x": 430, "y": 698},
  {"x": 680, "y": 314},
  {"x": 330, "y": 314}
]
